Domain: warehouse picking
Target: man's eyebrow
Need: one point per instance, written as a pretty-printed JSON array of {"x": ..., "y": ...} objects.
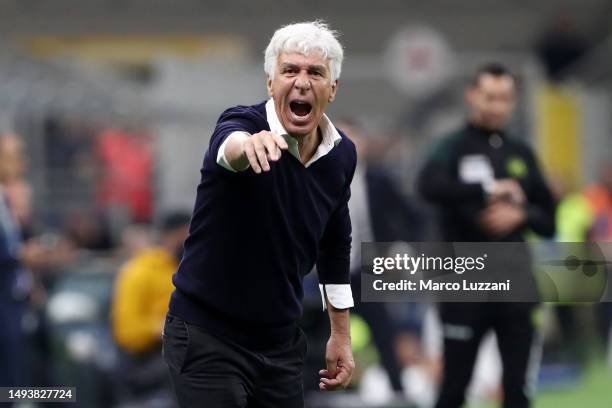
[
  {"x": 310, "y": 67},
  {"x": 289, "y": 65},
  {"x": 317, "y": 67}
]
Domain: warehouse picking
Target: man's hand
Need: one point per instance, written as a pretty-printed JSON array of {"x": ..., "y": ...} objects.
[
  {"x": 256, "y": 150},
  {"x": 340, "y": 363},
  {"x": 500, "y": 218},
  {"x": 507, "y": 189},
  {"x": 36, "y": 254}
]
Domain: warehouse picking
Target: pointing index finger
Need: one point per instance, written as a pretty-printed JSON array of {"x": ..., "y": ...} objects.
[{"x": 280, "y": 141}]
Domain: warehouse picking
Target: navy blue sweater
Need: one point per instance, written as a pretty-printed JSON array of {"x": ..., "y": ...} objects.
[{"x": 253, "y": 237}]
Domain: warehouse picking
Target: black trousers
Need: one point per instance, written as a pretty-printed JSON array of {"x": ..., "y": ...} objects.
[
  {"x": 464, "y": 325},
  {"x": 207, "y": 371}
]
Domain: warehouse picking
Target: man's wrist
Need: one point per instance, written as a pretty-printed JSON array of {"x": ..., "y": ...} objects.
[
  {"x": 341, "y": 338},
  {"x": 340, "y": 328},
  {"x": 341, "y": 334},
  {"x": 238, "y": 159},
  {"x": 231, "y": 155}
]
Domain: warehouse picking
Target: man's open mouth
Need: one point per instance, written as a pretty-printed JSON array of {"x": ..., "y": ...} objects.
[{"x": 300, "y": 108}]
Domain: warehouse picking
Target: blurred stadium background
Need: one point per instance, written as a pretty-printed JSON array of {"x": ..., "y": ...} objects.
[{"x": 115, "y": 101}]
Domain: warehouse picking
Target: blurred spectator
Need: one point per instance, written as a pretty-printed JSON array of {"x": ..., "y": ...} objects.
[
  {"x": 588, "y": 217},
  {"x": 599, "y": 197},
  {"x": 17, "y": 189},
  {"x": 12, "y": 296},
  {"x": 135, "y": 238},
  {"x": 66, "y": 166},
  {"x": 574, "y": 213},
  {"x": 379, "y": 212},
  {"x": 488, "y": 188},
  {"x": 573, "y": 219},
  {"x": 127, "y": 167},
  {"x": 560, "y": 46},
  {"x": 68, "y": 147},
  {"x": 89, "y": 229},
  {"x": 16, "y": 257},
  {"x": 139, "y": 305}
]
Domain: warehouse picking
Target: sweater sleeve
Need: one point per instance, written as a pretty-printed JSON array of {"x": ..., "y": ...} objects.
[
  {"x": 333, "y": 264},
  {"x": 221, "y": 158},
  {"x": 241, "y": 119}
]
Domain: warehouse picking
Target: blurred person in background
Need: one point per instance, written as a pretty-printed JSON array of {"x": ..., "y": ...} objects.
[
  {"x": 140, "y": 300},
  {"x": 573, "y": 218},
  {"x": 135, "y": 238},
  {"x": 586, "y": 216},
  {"x": 379, "y": 213},
  {"x": 16, "y": 187},
  {"x": 561, "y": 46},
  {"x": 488, "y": 187},
  {"x": 272, "y": 203},
  {"x": 17, "y": 257},
  {"x": 599, "y": 197},
  {"x": 126, "y": 160},
  {"x": 89, "y": 229}
]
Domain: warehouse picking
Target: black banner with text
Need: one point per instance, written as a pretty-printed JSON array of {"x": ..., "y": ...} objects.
[{"x": 485, "y": 272}]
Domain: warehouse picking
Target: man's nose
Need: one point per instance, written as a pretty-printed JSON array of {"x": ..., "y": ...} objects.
[{"x": 302, "y": 82}]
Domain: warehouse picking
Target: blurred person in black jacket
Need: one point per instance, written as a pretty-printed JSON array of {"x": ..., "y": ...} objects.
[
  {"x": 488, "y": 188},
  {"x": 380, "y": 213}
]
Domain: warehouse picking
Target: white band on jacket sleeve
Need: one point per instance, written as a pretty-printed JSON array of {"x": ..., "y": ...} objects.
[
  {"x": 339, "y": 295},
  {"x": 221, "y": 159}
]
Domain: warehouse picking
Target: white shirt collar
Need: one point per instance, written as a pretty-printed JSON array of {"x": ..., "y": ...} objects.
[{"x": 330, "y": 138}]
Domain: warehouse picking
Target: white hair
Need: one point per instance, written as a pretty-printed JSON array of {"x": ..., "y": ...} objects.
[{"x": 302, "y": 38}]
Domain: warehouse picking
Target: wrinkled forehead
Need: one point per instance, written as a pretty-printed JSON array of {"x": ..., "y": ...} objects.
[{"x": 313, "y": 56}]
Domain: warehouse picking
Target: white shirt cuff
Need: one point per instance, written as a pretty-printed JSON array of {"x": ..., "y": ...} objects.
[
  {"x": 221, "y": 159},
  {"x": 339, "y": 295}
]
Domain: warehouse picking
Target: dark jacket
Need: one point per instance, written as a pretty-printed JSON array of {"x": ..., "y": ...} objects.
[{"x": 459, "y": 202}]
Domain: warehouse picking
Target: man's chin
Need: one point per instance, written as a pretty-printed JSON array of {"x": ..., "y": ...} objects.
[{"x": 300, "y": 130}]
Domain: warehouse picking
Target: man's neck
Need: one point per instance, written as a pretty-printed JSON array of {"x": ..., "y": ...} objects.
[
  {"x": 307, "y": 145},
  {"x": 478, "y": 125}
]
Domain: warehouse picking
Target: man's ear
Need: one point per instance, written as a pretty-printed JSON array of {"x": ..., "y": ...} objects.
[
  {"x": 332, "y": 95},
  {"x": 269, "y": 85}
]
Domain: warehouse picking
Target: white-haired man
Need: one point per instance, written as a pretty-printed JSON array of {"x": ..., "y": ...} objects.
[{"x": 272, "y": 203}]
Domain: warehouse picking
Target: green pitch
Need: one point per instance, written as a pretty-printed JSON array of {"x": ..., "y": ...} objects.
[{"x": 594, "y": 390}]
